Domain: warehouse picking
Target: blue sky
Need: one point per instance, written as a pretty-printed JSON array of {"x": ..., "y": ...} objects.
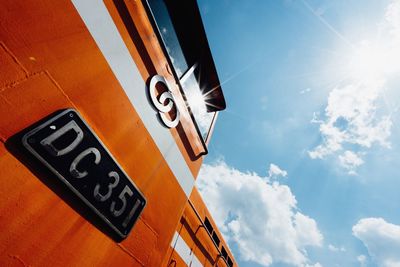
[{"x": 302, "y": 169}]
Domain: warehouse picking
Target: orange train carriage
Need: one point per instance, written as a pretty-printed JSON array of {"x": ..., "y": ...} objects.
[{"x": 106, "y": 110}]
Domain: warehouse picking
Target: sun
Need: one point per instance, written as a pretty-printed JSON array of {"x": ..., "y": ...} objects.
[
  {"x": 373, "y": 60},
  {"x": 196, "y": 100}
]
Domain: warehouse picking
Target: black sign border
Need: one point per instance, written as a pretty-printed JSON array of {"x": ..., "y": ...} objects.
[{"x": 65, "y": 181}]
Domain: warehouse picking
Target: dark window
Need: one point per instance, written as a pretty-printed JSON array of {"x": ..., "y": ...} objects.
[
  {"x": 208, "y": 225},
  {"x": 183, "y": 37},
  {"x": 216, "y": 239},
  {"x": 170, "y": 39},
  {"x": 223, "y": 252},
  {"x": 230, "y": 263}
]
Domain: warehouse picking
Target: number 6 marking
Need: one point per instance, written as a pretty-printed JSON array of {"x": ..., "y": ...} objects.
[
  {"x": 101, "y": 197},
  {"x": 121, "y": 196}
]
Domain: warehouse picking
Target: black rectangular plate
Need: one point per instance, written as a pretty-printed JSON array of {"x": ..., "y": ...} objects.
[{"x": 67, "y": 146}]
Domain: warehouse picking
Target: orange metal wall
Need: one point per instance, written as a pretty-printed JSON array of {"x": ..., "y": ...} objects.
[{"x": 49, "y": 62}]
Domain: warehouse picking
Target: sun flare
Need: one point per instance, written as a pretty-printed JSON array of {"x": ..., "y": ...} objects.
[{"x": 375, "y": 60}]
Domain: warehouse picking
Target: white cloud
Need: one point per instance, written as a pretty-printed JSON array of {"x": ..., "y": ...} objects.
[
  {"x": 350, "y": 161},
  {"x": 382, "y": 240},
  {"x": 353, "y": 120},
  {"x": 392, "y": 19},
  {"x": 306, "y": 230},
  {"x": 302, "y": 92},
  {"x": 315, "y": 118},
  {"x": 313, "y": 265},
  {"x": 275, "y": 171},
  {"x": 260, "y": 217},
  {"x": 336, "y": 249},
  {"x": 362, "y": 259}
]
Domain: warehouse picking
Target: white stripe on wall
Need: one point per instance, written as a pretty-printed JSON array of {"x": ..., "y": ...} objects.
[
  {"x": 183, "y": 250},
  {"x": 102, "y": 28},
  {"x": 196, "y": 262}
]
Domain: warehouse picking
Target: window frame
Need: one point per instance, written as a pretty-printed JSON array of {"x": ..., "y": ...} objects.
[{"x": 179, "y": 81}]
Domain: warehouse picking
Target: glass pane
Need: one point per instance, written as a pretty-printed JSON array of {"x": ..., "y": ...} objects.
[
  {"x": 208, "y": 225},
  {"x": 168, "y": 35},
  {"x": 197, "y": 103}
]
